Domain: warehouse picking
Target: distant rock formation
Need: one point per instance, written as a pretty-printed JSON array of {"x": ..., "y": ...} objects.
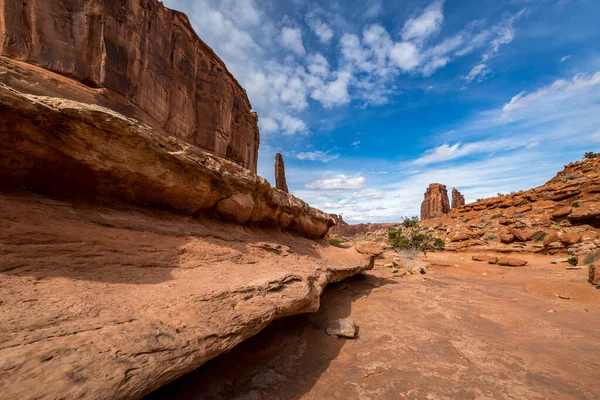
[
  {"x": 280, "y": 182},
  {"x": 344, "y": 229},
  {"x": 457, "y": 198},
  {"x": 135, "y": 57},
  {"x": 436, "y": 201}
]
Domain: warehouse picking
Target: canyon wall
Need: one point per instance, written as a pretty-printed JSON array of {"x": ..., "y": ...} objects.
[
  {"x": 136, "y": 57},
  {"x": 436, "y": 201}
]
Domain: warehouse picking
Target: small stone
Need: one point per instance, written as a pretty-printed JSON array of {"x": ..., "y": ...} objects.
[
  {"x": 560, "y": 260},
  {"x": 388, "y": 265},
  {"x": 343, "y": 328},
  {"x": 563, "y": 296}
]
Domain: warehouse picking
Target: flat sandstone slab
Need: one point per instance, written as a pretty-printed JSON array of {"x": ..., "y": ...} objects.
[{"x": 99, "y": 303}]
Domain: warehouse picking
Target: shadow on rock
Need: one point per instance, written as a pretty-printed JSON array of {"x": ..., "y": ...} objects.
[{"x": 284, "y": 361}]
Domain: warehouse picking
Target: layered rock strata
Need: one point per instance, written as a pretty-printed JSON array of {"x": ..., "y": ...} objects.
[
  {"x": 76, "y": 150},
  {"x": 436, "y": 201},
  {"x": 457, "y": 198},
  {"x": 135, "y": 57},
  {"x": 280, "y": 181},
  {"x": 100, "y": 303}
]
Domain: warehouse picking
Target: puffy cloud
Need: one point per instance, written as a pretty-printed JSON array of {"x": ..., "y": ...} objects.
[
  {"x": 338, "y": 182},
  {"x": 425, "y": 25},
  {"x": 405, "y": 55},
  {"x": 374, "y": 8},
  {"x": 321, "y": 29},
  {"x": 291, "y": 38}
]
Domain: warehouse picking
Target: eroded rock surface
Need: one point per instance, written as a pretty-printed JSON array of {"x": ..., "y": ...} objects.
[
  {"x": 136, "y": 57},
  {"x": 76, "y": 150},
  {"x": 457, "y": 198},
  {"x": 436, "y": 201},
  {"x": 99, "y": 303},
  {"x": 280, "y": 181}
]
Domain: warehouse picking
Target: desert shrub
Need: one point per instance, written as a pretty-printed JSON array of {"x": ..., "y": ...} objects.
[
  {"x": 573, "y": 261},
  {"x": 524, "y": 202},
  {"x": 411, "y": 222},
  {"x": 547, "y": 196},
  {"x": 498, "y": 215},
  {"x": 575, "y": 204},
  {"x": 590, "y": 155},
  {"x": 413, "y": 239},
  {"x": 489, "y": 236},
  {"x": 570, "y": 177},
  {"x": 556, "y": 227},
  {"x": 479, "y": 199},
  {"x": 538, "y": 237},
  {"x": 334, "y": 241},
  {"x": 592, "y": 257},
  {"x": 500, "y": 194}
]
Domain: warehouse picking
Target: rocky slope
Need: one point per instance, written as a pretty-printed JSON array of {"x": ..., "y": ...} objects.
[
  {"x": 99, "y": 303},
  {"x": 560, "y": 216},
  {"x": 136, "y": 57},
  {"x": 66, "y": 148}
]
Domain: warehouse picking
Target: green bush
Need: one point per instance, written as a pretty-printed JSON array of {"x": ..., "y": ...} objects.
[
  {"x": 573, "y": 261},
  {"x": 538, "y": 237},
  {"x": 556, "y": 227},
  {"x": 411, "y": 222},
  {"x": 592, "y": 257},
  {"x": 334, "y": 241},
  {"x": 575, "y": 204},
  {"x": 524, "y": 202},
  {"x": 489, "y": 236},
  {"x": 412, "y": 239},
  {"x": 590, "y": 155}
]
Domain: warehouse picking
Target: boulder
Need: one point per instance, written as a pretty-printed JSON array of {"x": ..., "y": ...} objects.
[
  {"x": 135, "y": 57},
  {"x": 587, "y": 211},
  {"x": 493, "y": 260},
  {"x": 368, "y": 248},
  {"x": 561, "y": 212},
  {"x": 460, "y": 236},
  {"x": 550, "y": 238},
  {"x": 507, "y": 238},
  {"x": 594, "y": 273},
  {"x": 511, "y": 262},
  {"x": 436, "y": 201},
  {"x": 570, "y": 238},
  {"x": 520, "y": 234},
  {"x": 343, "y": 328},
  {"x": 480, "y": 257}
]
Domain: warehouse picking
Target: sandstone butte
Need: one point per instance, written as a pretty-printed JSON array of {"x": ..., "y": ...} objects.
[
  {"x": 436, "y": 201},
  {"x": 137, "y": 240}
]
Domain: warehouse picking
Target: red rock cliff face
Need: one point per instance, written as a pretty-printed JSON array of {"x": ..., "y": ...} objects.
[
  {"x": 436, "y": 201},
  {"x": 144, "y": 60},
  {"x": 457, "y": 198}
]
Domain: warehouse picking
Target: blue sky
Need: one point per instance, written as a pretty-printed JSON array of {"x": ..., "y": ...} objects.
[{"x": 370, "y": 101}]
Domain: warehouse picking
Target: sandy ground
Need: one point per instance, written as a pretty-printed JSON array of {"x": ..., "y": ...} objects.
[{"x": 466, "y": 330}]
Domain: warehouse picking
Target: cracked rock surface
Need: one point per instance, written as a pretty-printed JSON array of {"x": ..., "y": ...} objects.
[{"x": 100, "y": 303}]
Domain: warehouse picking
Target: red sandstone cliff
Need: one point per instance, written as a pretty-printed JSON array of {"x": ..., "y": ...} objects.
[
  {"x": 436, "y": 201},
  {"x": 136, "y": 57},
  {"x": 457, "y": 198}
]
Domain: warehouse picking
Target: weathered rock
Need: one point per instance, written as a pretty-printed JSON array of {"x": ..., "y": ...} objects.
[
  {"x": 560, "y": 261},
  {"x": 588, "y": 211},
  {"x": 436, "y": 201},
  {"x": 369, "y": 248},
  {"x": 460, "y": 236},
  {"x": 511, "y": 262},
  {"x": 343, "y": 328},
  {"x": 101, "y": 303},
  {"x": 135, "y": 57},
  {"x": 562, "y": 212},
  {"x": 594, "y": 273},
  {"x": 76, "y": 150},
  {"x": 550, "y": 238},
  {"x": 458, "y": 199},
  {"x": 507, "y": 238},
  {"x": 493, "y": 260},
  {"x": 519, "y": 234},
  {"x": 280, "y": 181},
  {"x": 570, "y": 238},
  {"x": 480, "y": 257}
]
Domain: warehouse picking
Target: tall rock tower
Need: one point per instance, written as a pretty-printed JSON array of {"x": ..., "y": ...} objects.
[
  {"x": 436, "y": 201},
  {"x": 457, "y": 198},
  {"x": 280, "y": 182}
]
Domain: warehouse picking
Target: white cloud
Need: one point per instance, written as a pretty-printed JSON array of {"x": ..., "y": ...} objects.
[
  {"x": 323, "y": 156},
  {"x": 321, "y": 29},
  {"x": 268, "y": 125},
  {"x": 338, "y": 182},
  {"x": 565, "y": 58},
  {"x": 374, "y": 8},
  {"x": 425, "y": 25},
  {"x": 478, "y": 72},
  {"x": 334, "y": 93},
  {"x": 291, "y": 39},
  {"x": 292, "y": 125},
  {"x": 405, "y": 55},
  {"x": 368, "y": 194}
]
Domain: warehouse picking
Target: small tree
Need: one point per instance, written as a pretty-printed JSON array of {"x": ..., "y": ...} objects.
[
  {"x": 590, "y": 155},
  {"x": 411, "y": 238},
  {"x": 411, "y": 222}
]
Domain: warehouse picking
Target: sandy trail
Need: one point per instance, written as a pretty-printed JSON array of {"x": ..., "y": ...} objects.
[{"x": 466, "y": 330}]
